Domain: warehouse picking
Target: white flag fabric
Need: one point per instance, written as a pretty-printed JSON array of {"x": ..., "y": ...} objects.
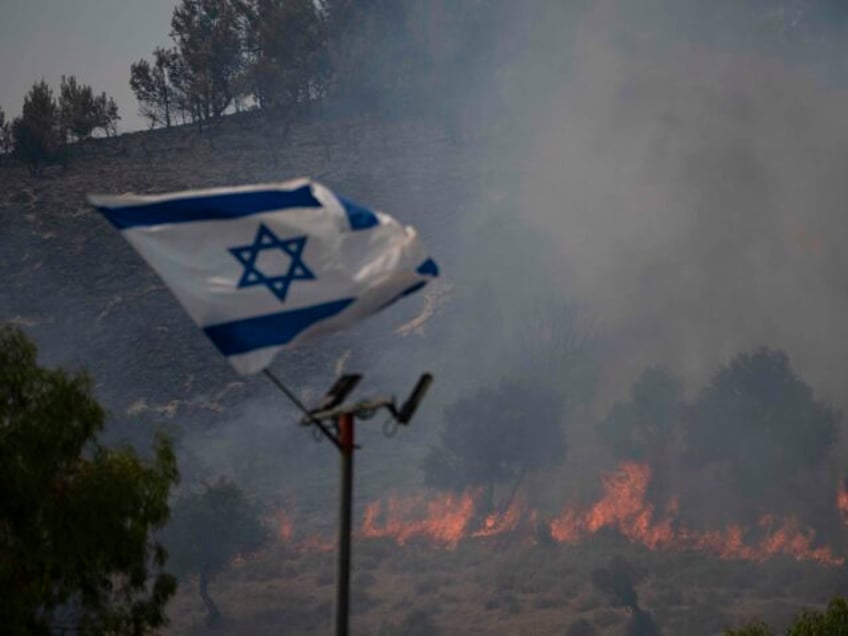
[{"x": 262, "y": 267}]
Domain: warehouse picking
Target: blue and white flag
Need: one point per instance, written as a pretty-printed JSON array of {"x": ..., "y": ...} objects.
[{"x": 262, "y": 267}]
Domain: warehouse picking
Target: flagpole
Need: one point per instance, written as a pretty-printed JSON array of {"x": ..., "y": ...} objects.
[{"x": 346, "y": 448}]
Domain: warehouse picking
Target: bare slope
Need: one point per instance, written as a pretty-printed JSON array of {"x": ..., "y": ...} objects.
[{"x": 88, "y": 300}]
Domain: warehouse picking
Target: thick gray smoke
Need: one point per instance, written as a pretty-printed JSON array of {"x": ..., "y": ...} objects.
[{"x": 691, "y": 180}]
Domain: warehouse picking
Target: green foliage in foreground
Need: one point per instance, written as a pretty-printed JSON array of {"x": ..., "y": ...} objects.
[
  {"x": 831, "y": 622},
  {"x": 76, "y": 518}
]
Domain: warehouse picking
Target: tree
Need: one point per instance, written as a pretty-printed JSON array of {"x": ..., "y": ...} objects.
[
  {"x": 37, "y": 133},
  {"x": 286, "y": 47},
  {"x": 76, "y": 109},
  {"x": 762, "y": 423},
  {"x": 106, "y": 114},
  {"x": 76, "y": 517},
  {"x": 831, "y": 622},
  {"x": 208, "y": 36},
  {"x": 153, "y": 87},
  {"x": 207, "y": 530},
  {"x": 5, "y": 135},
  {"x": 644, "y": 428},
  {"x": 496, "y": 435}
]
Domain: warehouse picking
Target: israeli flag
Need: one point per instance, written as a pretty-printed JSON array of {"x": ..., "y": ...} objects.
[{"x": 262, "y": 267}]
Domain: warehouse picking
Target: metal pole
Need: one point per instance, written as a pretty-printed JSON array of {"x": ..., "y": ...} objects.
[{"x": 346, "y": 446}]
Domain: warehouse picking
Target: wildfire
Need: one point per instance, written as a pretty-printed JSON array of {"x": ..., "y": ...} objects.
[
  {"x": 307, "y": 543},
  {"x": 503, "y": 523},
  {"x": 445, "y": 520},
  {"x": 623, "y": 507}
]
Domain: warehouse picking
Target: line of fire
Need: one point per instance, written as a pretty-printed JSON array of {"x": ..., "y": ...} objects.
[{"x": 446, "y": 520}]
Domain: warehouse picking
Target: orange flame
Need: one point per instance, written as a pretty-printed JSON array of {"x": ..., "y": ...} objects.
[
  {"x": 444, "y": 520},
  {"x": 308, "y": 543},
  {"x": 624, "y": 508},
  {"x": 505, "y": 522}
]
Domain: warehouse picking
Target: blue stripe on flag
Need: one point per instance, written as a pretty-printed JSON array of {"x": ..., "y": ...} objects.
[
  {"x": 360, "y": 218},
  {"x": 213, "y": 207},
  {"x": 428, "y": 268},
  {"x": 278, "y": 329}
]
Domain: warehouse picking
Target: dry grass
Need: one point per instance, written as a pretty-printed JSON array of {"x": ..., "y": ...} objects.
[{"x": 482, "y": 588}]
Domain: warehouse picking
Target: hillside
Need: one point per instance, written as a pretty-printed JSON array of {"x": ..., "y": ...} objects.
[{"x": 88, "y": 300}]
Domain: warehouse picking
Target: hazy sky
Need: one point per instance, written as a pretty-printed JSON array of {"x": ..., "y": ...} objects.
[{"x": 96, "y": 40}]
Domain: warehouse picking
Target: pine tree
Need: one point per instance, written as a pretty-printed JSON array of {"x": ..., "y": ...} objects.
[{"x": 37, "y": 133}]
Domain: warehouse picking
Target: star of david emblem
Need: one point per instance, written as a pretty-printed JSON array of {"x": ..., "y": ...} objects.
[{"x": 266, "y": 240}]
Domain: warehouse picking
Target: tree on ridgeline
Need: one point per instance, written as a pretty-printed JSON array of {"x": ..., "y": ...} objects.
[
  {"x": 209, "y": 42},
  {"x": 81, "y": 112},
  {"x": 833, "y": 621},
  {"x": 285, "y": 45},
  {"x": 285, "y": 61},
  {"x": 762, "y": 424},
  {"x": 5, "y": 135},
  {"x": 208, "y": 529},
  {"x": 644, "y": 428},
  {"x": 76, "y": 109},
  {"x": 37, "y": 133},
  {"x": 497, "y": 435},
  {"x": 153, "y": 87},
  {"x": 77, "y": 517},
  {"x": 106, "y": 115}
]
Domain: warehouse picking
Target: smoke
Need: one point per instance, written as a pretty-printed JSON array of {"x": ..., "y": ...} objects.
[
  {"x": 617, "y": 185},
  {"x": 690, "y": 185}
]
